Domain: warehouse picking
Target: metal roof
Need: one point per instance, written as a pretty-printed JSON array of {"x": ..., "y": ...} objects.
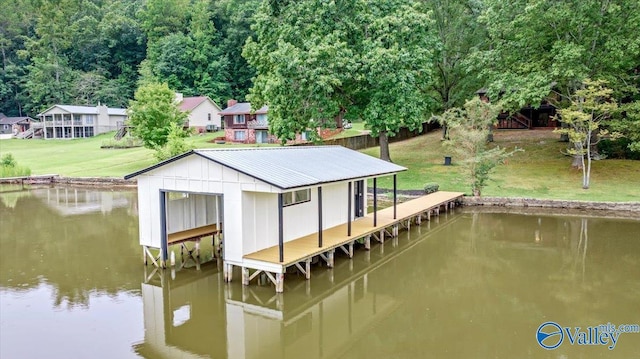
[{"x": 294, "y": 167}]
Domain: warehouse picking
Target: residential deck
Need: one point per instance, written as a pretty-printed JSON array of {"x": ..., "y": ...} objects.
[{"x": 301, "y": 249}]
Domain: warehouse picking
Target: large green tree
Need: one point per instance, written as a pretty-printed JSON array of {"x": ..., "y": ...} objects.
[
  {"x": 537, "y": 46},
  {"x": 362, "y": 59},
  {"x": 153, "y": 113}
]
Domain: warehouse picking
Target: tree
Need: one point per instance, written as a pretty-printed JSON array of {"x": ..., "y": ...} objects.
[
  {"x": 589, "y": 107},
  {"x": 175, "y": 145},
  {"x": 469, "y": 128},
  {"x": 539, "y": 46},
  {"x": 153, "y": 112},
  {"x": 363, "y": 59},
  {"x": 458, "y": 36}
]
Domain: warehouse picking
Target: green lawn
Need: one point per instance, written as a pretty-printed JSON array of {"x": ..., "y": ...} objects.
[
  {"x": 542, "y": 171},
  {"x": 85, "y": 158}
]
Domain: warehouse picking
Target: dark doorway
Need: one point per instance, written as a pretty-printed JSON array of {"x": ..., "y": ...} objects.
[{"x": 359, "y": 198}]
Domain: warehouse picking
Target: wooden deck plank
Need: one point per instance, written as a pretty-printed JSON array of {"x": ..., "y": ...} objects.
[
  {"x": 304, "y": 247},
  {"x": 190, "y": 234}
]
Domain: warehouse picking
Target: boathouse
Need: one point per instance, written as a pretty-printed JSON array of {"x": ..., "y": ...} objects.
[{"x": 274, "y": 207}]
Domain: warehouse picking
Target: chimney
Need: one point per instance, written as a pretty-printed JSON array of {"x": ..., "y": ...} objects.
[{"x": 231, "y": 102}]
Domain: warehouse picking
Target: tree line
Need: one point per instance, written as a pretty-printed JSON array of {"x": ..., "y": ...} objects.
[
  {"x": 391, "y": 63},
  {"x": 86, "y": 52}
]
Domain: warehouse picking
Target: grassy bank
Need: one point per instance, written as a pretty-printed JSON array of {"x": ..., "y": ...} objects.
[
  {"x": 85, "y": 158},
  {"x": 542, "y": 171}
]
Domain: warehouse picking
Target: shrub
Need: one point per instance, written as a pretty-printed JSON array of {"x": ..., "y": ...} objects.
[
  {"x": 431, "y": 187},
  {"x": 10, "y": 168},
  {"x": 618, "y": 148},
  {"x": 125, "y": 142},
  {"x": 175, "y": 145}
]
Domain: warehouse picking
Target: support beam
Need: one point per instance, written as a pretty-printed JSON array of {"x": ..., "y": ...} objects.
[
  {"x": 349, "y": 210},
  {"x": 319, "y": 217},
  {"x": 245, "y": 276},
  {"x": 375, "y": 202},
  {"x": 279, "y": 282},
  {"x": 280, "y": 227},
  {"x": 164, "y": 250},
  {"x": 367, "y": 242},
  {"x": 395, "y": 196}
]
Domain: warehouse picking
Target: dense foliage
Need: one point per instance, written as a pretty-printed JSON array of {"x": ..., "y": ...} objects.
[
  {"x": 390, "y": 63},
  {"x": 154, "y": 115},
  {"x": 88, "y": 51}
]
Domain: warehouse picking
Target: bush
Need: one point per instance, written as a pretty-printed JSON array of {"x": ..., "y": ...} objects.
[
  {"x": 125, "y": 142},
  {"x": 175, "y": 145},
  {"x": 10, "y": 168},
  {"x": 431, "y": 187},
  {"x": 618, "y": 149}
]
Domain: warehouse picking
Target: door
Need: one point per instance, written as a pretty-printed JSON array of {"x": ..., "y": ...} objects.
[
  {"x": 359, "y": 198},
  {"x": 261, "y": 136}
]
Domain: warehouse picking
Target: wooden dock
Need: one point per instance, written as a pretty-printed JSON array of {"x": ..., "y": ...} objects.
[{"x": 299, "y": 252}]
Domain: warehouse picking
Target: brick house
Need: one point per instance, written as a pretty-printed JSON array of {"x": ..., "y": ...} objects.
[{"x": 244, "y": 126}]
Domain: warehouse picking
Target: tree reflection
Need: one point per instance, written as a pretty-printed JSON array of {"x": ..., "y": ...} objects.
[{"x": 77, "y": 254}]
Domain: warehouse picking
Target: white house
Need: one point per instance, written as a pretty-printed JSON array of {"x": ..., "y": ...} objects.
[
  {"x": 67, "y": 121},
  {"x": 258, "y": 197},
  {"x": 203, "y": 113}
]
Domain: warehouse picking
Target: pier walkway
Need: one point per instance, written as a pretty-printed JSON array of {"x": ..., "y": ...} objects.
[{"x": 299, "y": 252}]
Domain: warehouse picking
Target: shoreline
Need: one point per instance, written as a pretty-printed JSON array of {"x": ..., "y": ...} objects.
[{"x": 382, "y": 193}]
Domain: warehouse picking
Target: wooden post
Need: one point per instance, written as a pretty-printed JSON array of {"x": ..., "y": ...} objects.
[
  {"x": 279, "y": 282},
  {"x": 280, "y": 228},
  {"x": 227, "y": 271},
  {"x": 245, "y": 276},
  {"x": 349, "y": 211},
  {"x": 375, "y": 201},
  {"x": 307, "y": 268},
  {"x": 319, "y": 217},
  {"x": 367, "y": 242},
  {"x": 331, "y": 260}
]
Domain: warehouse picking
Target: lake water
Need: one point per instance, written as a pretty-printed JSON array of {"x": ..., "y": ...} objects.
[{"x": 469, "y": 284}]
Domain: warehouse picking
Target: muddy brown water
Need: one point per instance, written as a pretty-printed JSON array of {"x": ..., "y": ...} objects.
[{"x": 468, "y": 284}]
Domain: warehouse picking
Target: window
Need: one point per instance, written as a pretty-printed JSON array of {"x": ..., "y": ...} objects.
[
  {"x": 238, "y": 119},
  {"x": 208, "y": 117},
  {"x": 262, "y": 118},
  {"x": 88, "y": 119},
  {"x": 295, "y": 197},
  {"x": 239, "y": 135}
]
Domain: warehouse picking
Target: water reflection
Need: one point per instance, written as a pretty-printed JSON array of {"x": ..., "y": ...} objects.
[
  {"x": 77, "y": 246},
  {"x": 469, "y": 284}
]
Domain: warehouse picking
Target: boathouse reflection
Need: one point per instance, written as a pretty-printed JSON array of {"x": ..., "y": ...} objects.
[{"x": 315, "y": 322}]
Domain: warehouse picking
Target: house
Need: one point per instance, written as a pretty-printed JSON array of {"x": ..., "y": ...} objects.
[
  {"x": 69, "y": 121},
  {"x": 14, "y": 125},
  {"x": 203, "y": 113},
  {"x": 257, "y": 198},
  {"x": 243, "y": 125},
  {"x": 528, "y": 117}
]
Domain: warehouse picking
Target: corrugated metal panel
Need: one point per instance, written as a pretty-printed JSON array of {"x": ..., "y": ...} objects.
[{"x": 293, "y": 167}]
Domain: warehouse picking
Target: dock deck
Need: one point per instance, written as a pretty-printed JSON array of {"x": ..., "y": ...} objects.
[{"x": 302, "y": 250}]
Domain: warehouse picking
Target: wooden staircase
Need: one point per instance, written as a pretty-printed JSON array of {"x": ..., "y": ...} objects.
[
  {"x": 121, "y": 132},
  {"x": 514, "y": 121}
]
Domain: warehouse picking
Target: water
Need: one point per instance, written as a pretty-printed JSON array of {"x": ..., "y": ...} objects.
[{"x": 465, "y": 285}]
